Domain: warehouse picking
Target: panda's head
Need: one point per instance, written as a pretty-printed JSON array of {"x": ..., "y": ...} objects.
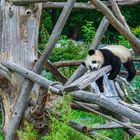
[{"x": 94, "y": 61}]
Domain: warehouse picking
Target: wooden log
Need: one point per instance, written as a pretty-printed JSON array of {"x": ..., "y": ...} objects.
[
  {"x": 112, "y": 125},
  {"x": 108, "y": 117},
  {"x": 132, "y": 106},
  {"x": 58, "y": 75},
  {"x": 27, "y": 85},
  {"x": 32, "y": 76},
  {"x": 25, "y": 2},
  {"x": 118, "y": 14},
  {"x": 100, "y": 31},
  {"x": 119, "y": 27},
  {"x": 84, "y": 130},
  {"x": 67, "y": 63},
  {"x": 87, "y": 79},
  {"x": 85, "y": 5},
  {"x": 109, "y": 104}
]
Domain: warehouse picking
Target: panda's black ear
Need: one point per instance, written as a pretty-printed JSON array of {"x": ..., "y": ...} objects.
[
  {"x": 91, "y": 52},
  {"x": 83, "y": 63}
]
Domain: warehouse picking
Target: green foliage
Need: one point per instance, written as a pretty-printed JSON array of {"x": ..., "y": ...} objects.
[
  {"x": 59, "y": 130},
  {"x": 136, "y": 138},
  {"x": 1, "y": 136},
  {"x": 28, "y": 133},
  {"x": 136, "y": 31},
  {"x": 88, "y": 31}
]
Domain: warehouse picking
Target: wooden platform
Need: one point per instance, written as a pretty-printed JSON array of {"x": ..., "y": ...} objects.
[{"x": 87, "y": 79}]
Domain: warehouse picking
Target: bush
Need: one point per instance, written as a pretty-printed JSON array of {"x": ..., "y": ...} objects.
[{"x": 28, "y": 133}]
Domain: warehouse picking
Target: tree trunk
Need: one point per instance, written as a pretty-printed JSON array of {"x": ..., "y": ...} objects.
[{"x": 19, "y": 45}]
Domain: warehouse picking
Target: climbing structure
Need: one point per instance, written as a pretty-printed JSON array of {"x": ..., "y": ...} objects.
[{"x": 77, "y": 83}]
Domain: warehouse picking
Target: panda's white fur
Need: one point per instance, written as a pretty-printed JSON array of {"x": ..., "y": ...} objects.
[{"x": 122, "y": 52}]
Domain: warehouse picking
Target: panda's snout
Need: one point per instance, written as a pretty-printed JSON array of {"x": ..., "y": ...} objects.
[{"x": 92, "y": 68}]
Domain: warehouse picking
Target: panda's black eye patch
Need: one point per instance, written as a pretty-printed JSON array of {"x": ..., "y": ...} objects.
[{"x": 93, "y": 62}]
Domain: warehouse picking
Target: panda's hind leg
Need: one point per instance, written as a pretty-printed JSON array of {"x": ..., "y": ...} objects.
[{"x": 129, "y": 65}]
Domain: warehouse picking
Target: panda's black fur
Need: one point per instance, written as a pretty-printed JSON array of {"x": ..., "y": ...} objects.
[{"x": 111, "y": 59}]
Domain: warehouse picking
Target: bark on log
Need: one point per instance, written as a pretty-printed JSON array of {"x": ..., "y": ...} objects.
[
  {"x": 27, "y": 85},
  {"x": 119, "y": 27}
]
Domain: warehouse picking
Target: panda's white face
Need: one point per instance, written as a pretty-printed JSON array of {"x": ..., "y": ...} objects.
[{"x": 94, "y": 61}]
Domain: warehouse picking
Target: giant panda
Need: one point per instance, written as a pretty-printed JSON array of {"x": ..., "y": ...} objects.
[{"x": 113, "y": 55}]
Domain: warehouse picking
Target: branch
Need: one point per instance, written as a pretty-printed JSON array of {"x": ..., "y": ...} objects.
[
  {"x": 119, "y": 27},
  {"x": 107, "y": 103},
  {"x": 67, "y": 63},
  {"x": 118, "y": 14},
  {"x": 100, "y": 33},
  {"x": 85, "y": 5},
  {"x": 84, "y": 130},
  {"x": 58, "y": 75}
]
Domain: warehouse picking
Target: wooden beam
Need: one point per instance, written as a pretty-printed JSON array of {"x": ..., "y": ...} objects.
[
  {"x": 58, "y": 75},
  {"x": 84, "y": 130},
  {"x": 118, "y": 26},
  {"x": 100, "y": 33},
  {"x": 87, "y": 79},
  {"x": 67, "y": 63},
  {"x": 85, "y": 5},
  {"x": 118, "y": 14},
  {"x": 108, "y": 104},
  {"x": 25, "y": 2},
  {"x": 31, "y": 75}
]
